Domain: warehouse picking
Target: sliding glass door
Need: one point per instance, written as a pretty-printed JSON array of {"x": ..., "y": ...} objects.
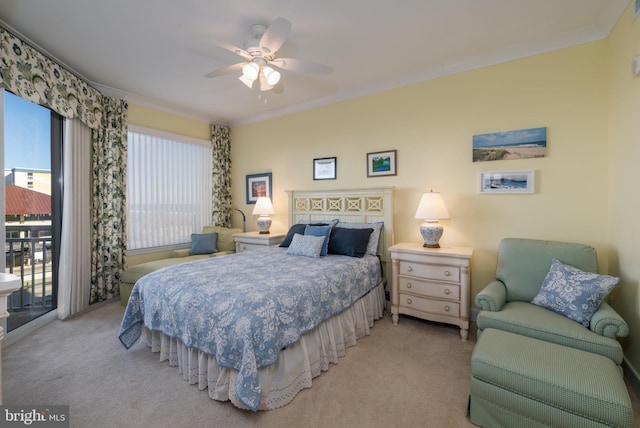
[{"x": 32, "y": 147}]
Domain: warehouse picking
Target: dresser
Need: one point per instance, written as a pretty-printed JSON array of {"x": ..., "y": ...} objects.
[
  {"x": 431, "y": 283},
  {"x": 247, "y": 241}
]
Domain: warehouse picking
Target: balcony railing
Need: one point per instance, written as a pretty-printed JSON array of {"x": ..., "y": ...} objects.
[{"x": 29, "y": 258}]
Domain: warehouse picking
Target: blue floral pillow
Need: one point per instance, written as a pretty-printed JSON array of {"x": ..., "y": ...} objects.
[
  {"x": 572, "y": 292},
  {"x": 306, "y": 245}
]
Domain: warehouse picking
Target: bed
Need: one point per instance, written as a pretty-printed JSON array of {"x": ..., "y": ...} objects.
[{"x": 256, "y": 327}]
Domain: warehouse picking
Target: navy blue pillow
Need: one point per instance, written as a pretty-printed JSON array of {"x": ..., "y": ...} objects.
[
  {"x": 297, "y": 228},
  {"x": 204, "y": 243},
  {"x": 320, "y": 231},
  {"x": 349, "y": 242}
]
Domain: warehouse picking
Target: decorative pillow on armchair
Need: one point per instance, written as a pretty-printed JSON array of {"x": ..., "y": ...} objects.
[
  {"x": 572, "y": 292},
  {"x": 204, "y": 243}
]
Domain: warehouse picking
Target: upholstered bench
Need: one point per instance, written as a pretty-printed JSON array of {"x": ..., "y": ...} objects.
[{"x": 525, "y": 382}]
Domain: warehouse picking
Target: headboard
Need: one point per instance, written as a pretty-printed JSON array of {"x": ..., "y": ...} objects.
[{"x": 352, "y": 205}]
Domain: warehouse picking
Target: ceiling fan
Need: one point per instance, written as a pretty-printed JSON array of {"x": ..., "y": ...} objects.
[{"x": 261, "y": 63}]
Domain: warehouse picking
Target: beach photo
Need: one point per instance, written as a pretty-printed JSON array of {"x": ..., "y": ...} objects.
[
  {"x": 507, "y": 182},
  {"x": 519, "y": 144}
]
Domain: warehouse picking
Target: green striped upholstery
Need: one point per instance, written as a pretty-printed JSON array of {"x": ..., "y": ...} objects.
[
  {"x": 525, "y": 382},
  {"x": 540, "y": 323}
]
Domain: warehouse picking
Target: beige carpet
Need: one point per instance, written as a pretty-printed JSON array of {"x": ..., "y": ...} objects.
[{"x": 414, "y": 374}]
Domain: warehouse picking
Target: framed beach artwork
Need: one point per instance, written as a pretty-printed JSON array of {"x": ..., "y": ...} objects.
[
  {"x": 381, "y": 163},
  {"x": 258, "y": 185},
  {"x": 520, "y": 144},
  {"x": 507, "y": 182}
]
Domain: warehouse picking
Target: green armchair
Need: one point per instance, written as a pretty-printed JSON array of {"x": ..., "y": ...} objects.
[{"x": 521, "y": 269}]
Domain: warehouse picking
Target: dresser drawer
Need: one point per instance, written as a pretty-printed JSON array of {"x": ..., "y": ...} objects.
[
  {"x": 439, "y": 307},
  {"x": 440, "y": 272},
  {"x": 429, "y": 289}
]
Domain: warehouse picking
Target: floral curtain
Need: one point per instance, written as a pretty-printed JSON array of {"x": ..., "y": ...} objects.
[
  {"x": 31, "y": 75},
  {"x": 221, "y": 176},
  {"x": 109, "y": 237}
]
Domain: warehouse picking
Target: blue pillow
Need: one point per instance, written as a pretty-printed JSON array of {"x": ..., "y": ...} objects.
[
  {"x": 297, "y": 228},
  {"x": 374, "y": 238},
  {"x": 572, "y": 292},
  {"x": 349, "y": 242},
  {"x": 305, "y": 245},
  {"x": 204, "y": 243},
  {"x": 320, "y": 231}
]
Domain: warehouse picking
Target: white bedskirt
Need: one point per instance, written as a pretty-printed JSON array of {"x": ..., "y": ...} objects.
[{"x": 297, "y": 364}]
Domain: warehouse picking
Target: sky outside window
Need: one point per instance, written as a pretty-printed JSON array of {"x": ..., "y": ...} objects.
[{"x": 27, "y": 134}]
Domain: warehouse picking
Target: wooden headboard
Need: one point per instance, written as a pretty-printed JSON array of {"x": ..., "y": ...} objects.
[{"x": 352, "y": 205}]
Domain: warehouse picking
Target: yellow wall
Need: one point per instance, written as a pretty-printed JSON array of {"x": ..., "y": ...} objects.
[
  {"x": 150, "y": 118},
  {"x": 431, "y": 125},
  {"x": 624, "y": 191}
]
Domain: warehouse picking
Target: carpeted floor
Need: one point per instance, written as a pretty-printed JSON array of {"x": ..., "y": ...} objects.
[{"x": 414, "y": 374}]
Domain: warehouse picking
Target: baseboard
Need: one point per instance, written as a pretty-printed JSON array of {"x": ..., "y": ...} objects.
[
  {"x": 631, "y": 375},
  {"x": 25, "y": 330}
]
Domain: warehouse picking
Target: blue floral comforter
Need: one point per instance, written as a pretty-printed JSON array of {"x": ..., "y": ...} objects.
[{"x": 244, "y": 308}]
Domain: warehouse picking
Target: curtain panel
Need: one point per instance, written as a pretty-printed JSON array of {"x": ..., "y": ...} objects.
[
  {"x": 109, "y": 236},
  {"x": 74, "y": 272},
  {"x": 220, "y": 176},
  {"x": 33, "y": 76}
]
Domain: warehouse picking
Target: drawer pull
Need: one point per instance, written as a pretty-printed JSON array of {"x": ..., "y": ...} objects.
[
  {"x": 447, "y": 308},
  {"x": 447, "y": 291},
  {"x": 409, "y": 269},
  {"x": 409, "y": 285},
  {"x": 447, "y": 273},
  {"x": 409, "y": 301}
]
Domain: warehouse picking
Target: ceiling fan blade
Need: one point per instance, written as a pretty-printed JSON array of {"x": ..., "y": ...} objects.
[
  {"x": 225, "y": 70},
  {"x": 301, "y": 66},
  {"x": 232, "y": 48},
  {"x": 275, "y": 35}
]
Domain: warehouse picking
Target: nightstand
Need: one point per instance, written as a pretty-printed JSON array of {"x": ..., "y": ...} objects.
[
  {"x": 431, "y": 283},
  {"x": 251, "y": 240}
]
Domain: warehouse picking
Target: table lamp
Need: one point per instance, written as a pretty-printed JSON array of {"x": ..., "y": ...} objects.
[
  {"x": 263, "y": 208},
  {"x": 431, "y": 209}
]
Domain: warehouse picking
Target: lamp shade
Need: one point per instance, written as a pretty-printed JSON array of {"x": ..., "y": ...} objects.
[
  {"x": 431, "y": 207},
  {"x": 263, "y": 206}
]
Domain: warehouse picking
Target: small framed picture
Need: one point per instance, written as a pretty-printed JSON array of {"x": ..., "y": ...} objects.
[
  {"x": 324, "y": 169},
  {"x": 258, "y": 185},
  {"x": 636, "y": 8},
  {"x": 507, "y": 182},
  {"x": 381, "y": 163}
]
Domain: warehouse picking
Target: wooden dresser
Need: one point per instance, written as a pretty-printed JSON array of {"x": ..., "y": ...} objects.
[{"x": 431, "y": 283}]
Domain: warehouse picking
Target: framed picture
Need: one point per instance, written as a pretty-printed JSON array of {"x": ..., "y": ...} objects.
[
  {"x": 519, "y": 144},
  {"x": 381, "y": 163},
  {"x": 636, "y": 8},
  {"x": 507, "y": 182},
  {"x": 324, "y": 169},
  {"x": 258, "y": 185}
]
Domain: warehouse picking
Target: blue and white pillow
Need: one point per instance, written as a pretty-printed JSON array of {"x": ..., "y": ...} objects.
[
  {"x": 572, "y": 292},
  {"x": 306, "y": 245}
]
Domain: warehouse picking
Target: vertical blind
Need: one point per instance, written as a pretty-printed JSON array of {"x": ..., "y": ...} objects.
[{"x": 168, "y": 188}]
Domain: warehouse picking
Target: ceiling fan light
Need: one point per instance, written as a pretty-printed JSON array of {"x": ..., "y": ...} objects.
[
  {"x": 250, "y": 71},
  {"x": 246, "y": 81},
  {"x": 271, "y": 75}
]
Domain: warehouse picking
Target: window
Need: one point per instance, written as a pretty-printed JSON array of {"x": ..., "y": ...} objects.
[
  {"x": 31, "y": 141},
  {"x": 168, "y": 188}
]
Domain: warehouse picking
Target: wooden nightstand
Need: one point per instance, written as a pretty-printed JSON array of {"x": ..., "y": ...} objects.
[
  {"x": 251, "y": 240},
  {"x": 431, "y": 283}
]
